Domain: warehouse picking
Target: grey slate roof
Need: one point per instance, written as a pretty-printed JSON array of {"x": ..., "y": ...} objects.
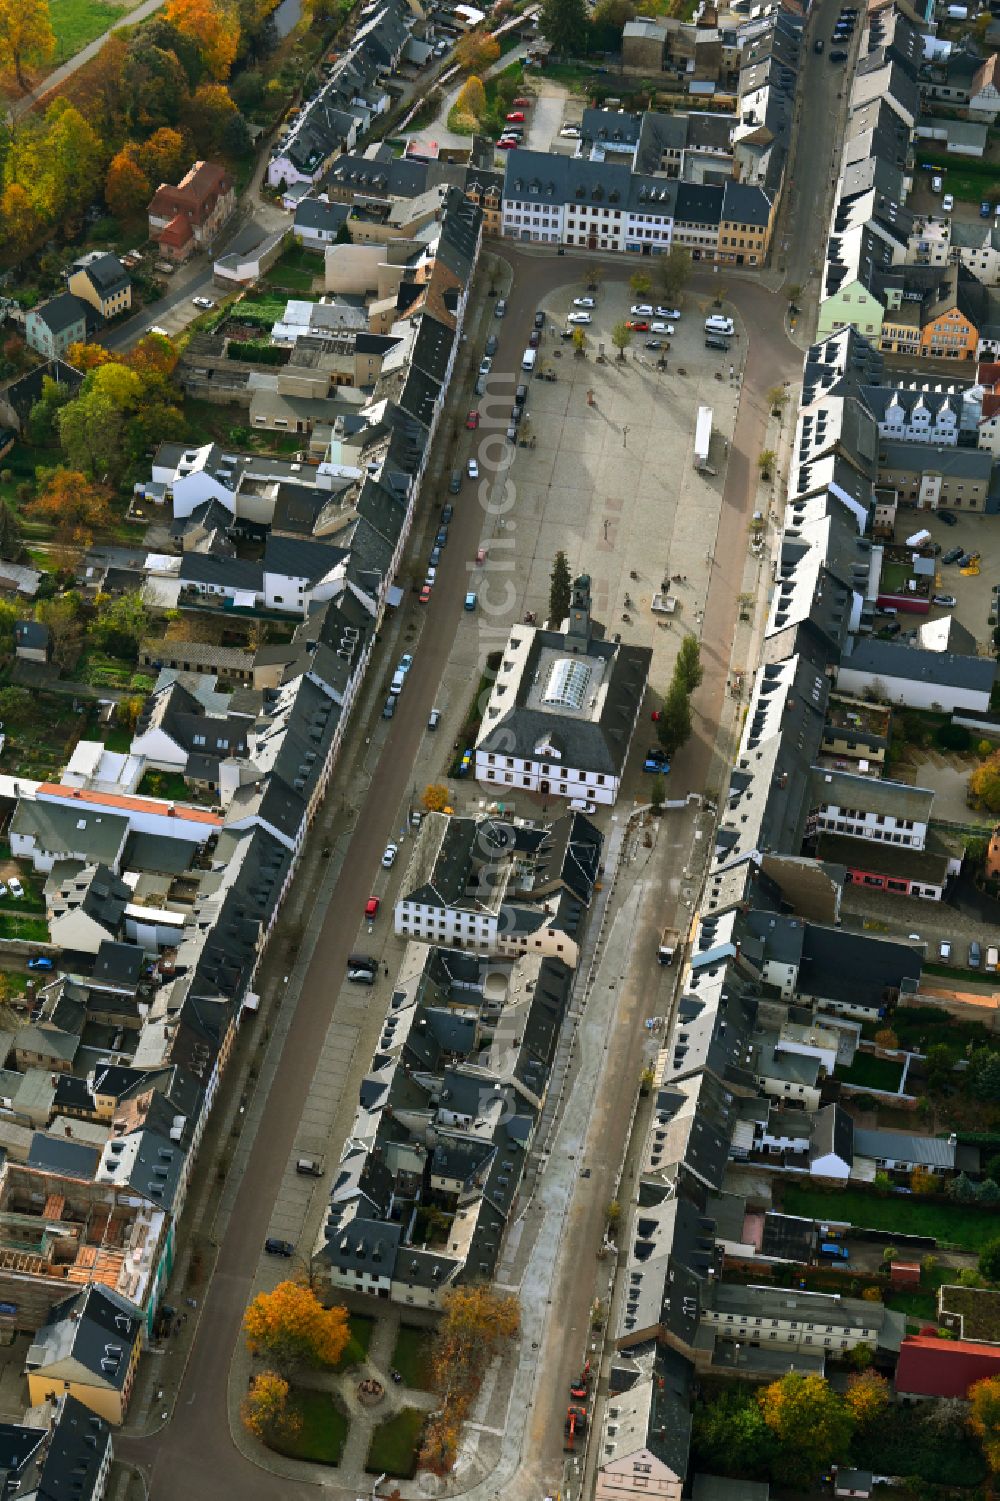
[
  {"x": 56, "y": 829},
  {"x": 312, "y": 213},
  {"x": 894, "y": 659},
  {"x": 62, "y": 1455},
  {"x": 60, "y": 313},
  {"x": 96, "y": 1328},
  {"x": 903, "y": 1146}
]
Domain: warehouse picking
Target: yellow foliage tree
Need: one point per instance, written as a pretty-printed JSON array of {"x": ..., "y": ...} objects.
[
  {"x": 26, "y": 36},
  {"x": 214, "y": 27},
  {"x": 984, "y": 783},
  {"x": 264, "y": 1409},
  {"x": 923, "y": 1181},
  {"x": 867, "y": 1397},
  {"x": 435, "y": 797},
  {"x": 476, "y": 1322},
  {"x": 290, "y": 1325},
  {"x": 471, "y": 98},
  {"x": 984, "y": 1418}
]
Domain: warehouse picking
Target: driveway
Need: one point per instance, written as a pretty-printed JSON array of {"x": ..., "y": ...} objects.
[{"x": 546, "y": 116}]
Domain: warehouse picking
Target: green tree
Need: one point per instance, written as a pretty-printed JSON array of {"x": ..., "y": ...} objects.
[
  {"x": 640, "y": 283},
  {"x": 42, "y": 428},
  {"x": 989, "y": 1260},
  {"x": 673, "y": 728},
  {"x": 11, "y": 544},
  {"x": 565, "y": 23},
  {"x": 984, "y": 1418},
  {"x": 989, "y": 1192},
  {"x": 811, "y": 1423},
  {"x": 14, "y": 702},
  {"x": 938, "y": 1066},
  {"x": 861, "y": 1356},
  {"x": 579, "y": 341},
  {"x": 688, "y": 669},
  {"x": 92, "y": 426},
  {"x": 63, "y": 618},
  {"x": 658, "y": 792},
  {"x": 621, "y": 338},
  {"x": 766, "y": 460},
  {"x": 122, "y": 621},
  {"x": 673, "y": 271},
  {"x": 560, "y": 590},
  {"x": 982, "y": 1077},
  {"x": 731, "y": 1437}
]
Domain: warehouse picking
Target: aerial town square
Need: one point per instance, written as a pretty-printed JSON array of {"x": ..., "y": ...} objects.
[{"x": 499, "y": 750}]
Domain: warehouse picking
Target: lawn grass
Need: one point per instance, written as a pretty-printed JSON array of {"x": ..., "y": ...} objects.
[
  {"x": 40, "y": 737},
  {"x": 33, "y": 929},
  {"x": 921, "y": 1306},
  {"x": 323, "y": 1433},
  {"x": 411, "y": 1356},
  {"x": 362, "y": 1329},
  {"x": 296, "y": 270},
  {"x": 395, "y": 1444},
  {"x": 969, "y": 181},
  {"x": 869, "y": 1072},
  {"x": 960, "y": 1225},
  {"x": 77, "y": 22},
  {"x": 169, "y": 785}
]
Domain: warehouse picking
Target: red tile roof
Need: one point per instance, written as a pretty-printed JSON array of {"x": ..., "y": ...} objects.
[
  {"x": 932, "y": 1367},
  {"x": 112, "y": 800}
]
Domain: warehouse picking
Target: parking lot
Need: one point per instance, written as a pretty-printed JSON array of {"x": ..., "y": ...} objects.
[{"x": 974, "y": 533}]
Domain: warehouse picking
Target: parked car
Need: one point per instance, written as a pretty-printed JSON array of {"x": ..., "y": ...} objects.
[
  {"x": 464, "y": 764},
  {"x": 948, "y": 517},
  {"x": 637, "y": 325},
  {"x": 442, "y": 537},
  {"x": 534, "y": 339},
  {"x": 389, "y": 857},
  {"x": 455, "y": 483},
  {"x": 425, "y": 594},
  {"x": 975, "y": 955},
  {"x": 818, "y": 45},
  {"x": 590, "y": 302},
  {"x": 539, "y": 319},
  {"x": 470, "y": 600},
  {"x": 500, "y": 310},
  {"x": 434, "y": 557},
  {"x": 275, "y": 1247},
  {"x": 944, "y": 949},
  {"x": 3, "y": 888},
  {"x": 653, "y": 344},
  {"x": 472, "y": 421},
  {"x": 516, "y": 116},
  {"x": 203, "y": 302},
  {"x": 579, "y": 318},
  {"x": 985, "y": 209},
  {"x": 946, "y": 601},
  {"x": 668, "y": 312},
  {"x": 480, "y": 555},
  {"x": 389, "y": 707},
  {"x": 965, "y": 560},
  {"x": 434, "y": 719},
  {"x": 473, "y": 468},
  {"x": 662, "y": 328},
  {"x": 41, "y": 961},
  {"x": 431, "y": 577},
  {"x": 937, "y": 183},
  {"x": 641, "y": 310},
  {"x": 447, "y": 513},
  {"x": 485, "y": 365},
  {"x": 656, "y": 760},
  {"x": 952, "y": 555},
  {"x": 16, "y": 889},
  {"x": 571, "y": 132},
  {"x": 371, "y": 907},
  {"x": 838, "y": 55},
  {"x": 948, "y": 202},
  {"x": 492, "y": 345},
  {"x": 582, "y": 805}
]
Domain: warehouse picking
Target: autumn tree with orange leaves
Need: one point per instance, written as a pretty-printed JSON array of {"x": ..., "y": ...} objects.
[
  {"x": 477, "y": 1323},
  {"x": 76, "y": 508},
  {"x": 475, "y": 51},
  {"x": 867, "y": 1397},
  {"x": 264, "y": 1409},
  {"x": 126, "y": 186},
  {"x": 290, "y": 1326},
  {"x": 215, "y": 28}
]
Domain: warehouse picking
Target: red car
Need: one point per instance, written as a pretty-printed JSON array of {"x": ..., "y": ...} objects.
[
  {"x": 533, "y": 339},
  {"x": 516, "y": 117},
  {"x": 425, "y": 594},
  {"x": 472, "y": 421},
  {"x": 522, "y": 102},
  {"x": 638, "y": 325},
  {"x": 371, "y": 907},
  {"x": 506, "y": 145}
]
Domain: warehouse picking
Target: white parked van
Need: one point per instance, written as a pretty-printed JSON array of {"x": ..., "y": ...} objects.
[
  {"x": 528, "y": 359},
  {"x": 719, "y": 325}
]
